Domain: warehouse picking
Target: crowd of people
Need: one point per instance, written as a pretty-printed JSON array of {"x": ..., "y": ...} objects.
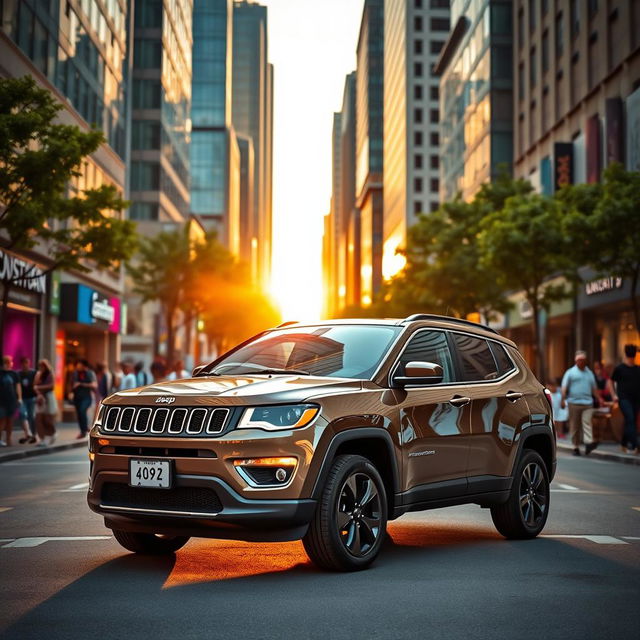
[
  {"x": 583, "y": 393},
  {"x": 29, "y": 394}
]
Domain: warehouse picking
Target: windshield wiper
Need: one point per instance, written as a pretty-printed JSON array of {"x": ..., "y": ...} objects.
[{"x": 280, "y": 371}]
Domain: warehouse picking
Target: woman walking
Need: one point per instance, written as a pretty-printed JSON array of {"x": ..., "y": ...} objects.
[
  {"x": 46, "y": 405},
  {"x": 10, "y": 398}
]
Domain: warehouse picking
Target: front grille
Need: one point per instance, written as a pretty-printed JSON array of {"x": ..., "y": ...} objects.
[
  {"x": 185, "y": 499},
  {"x": 184, "y": 421}
]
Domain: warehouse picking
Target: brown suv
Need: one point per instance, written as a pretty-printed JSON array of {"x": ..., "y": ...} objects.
[{"x": 324, "y": 432}]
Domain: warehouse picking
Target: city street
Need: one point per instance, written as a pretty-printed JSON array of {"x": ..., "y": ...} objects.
[{"x": 444, "y": 573}]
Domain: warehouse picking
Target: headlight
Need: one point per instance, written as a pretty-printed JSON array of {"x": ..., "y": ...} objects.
[
  {"x": 100, "y": 415},
  {"x": 291, "y": 416}
]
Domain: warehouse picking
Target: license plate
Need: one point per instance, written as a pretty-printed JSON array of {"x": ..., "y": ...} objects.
[{"x": 150, "y": 473}]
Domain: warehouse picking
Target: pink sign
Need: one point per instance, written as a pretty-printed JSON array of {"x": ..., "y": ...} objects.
[{"x": 115, "y": 327}]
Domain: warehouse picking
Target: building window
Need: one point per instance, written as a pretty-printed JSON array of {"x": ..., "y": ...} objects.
[
  {"x": 559, "y": 35},
  {"x": 435, "y": 185},
  {"x": 148, "y": 13},
  {"x": 435, "y": 162},
  {"x": 147, "y": 53},
  {"x": 520, "y": 27},
  {"x": 434, "y": 93},
  {"x": 440, "y": 4},
  {"x": 417, "y": 4},
  {"x": 434, "y": 139},
  {"x": 145, "y": 176},
  {"x": 417, "y": 161},
  {"x": 436, "y": 46},
  {"x": 439, "y": 24},
  {"x": 143, "y": 211},
  {"x": 417, "y": 23},
  {"x": 532, "y": 15},
  {"x": 521, "y": 81},
  {"x": 417, "y": 115},
  {"x": 532, "y": 67},
  {"x": 417, "y": 207},
  {"x": 417, "y": 69},
  {"x": 146, "y": 94},
  {"x": 145, "y": 134},
  {"x": 545, "y": 51},
  {"x": 417, "y": 47},
  {"x": 417, "y": 138},
  {"x": 434, "y": 115},
  {"x": 545, "y": 7},
  {"x": 593, "y": 8},
  {"x": 417, "y": 92},
  {"x": 434, "y": 206},
  {"x": 574, "y": 17},
  {"x": 417, "y": 185}
]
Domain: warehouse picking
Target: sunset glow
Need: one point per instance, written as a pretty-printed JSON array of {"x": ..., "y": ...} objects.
[{"x": 312, "y": 46}]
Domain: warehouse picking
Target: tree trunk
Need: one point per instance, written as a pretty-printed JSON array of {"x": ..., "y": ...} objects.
[
  {"x": 6, "y": 286},
  {"x": 537, "y": 347},
  {"x": 169, "y": 317}
]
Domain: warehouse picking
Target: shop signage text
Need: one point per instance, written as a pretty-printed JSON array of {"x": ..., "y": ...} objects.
[
  {"x": 101, "y": 309},
  {"x": 563, "y": 152},
  {"x": 601, "y": 285},
  {"x": 21, "y": 273}
]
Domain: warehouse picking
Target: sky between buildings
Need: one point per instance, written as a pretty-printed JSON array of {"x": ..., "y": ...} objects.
[{"x": 312, "y": 46}]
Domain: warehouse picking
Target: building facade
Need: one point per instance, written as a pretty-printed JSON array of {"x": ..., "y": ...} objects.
[
  {"x": 476, "y": 103},
  {"x": 414, "y": 34},
  {"x": 214, "y": 153},
  {"x": 369, "y": 146},
  {"x": 252, "y": 116},
  {"x": 78, "y": 52}
]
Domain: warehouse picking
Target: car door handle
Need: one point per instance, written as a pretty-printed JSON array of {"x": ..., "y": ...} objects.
[
  {"x": 512, "y": 396},
  {"x": 459, "y": 401}
]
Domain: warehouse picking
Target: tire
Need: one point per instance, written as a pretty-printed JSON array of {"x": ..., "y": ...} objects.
[
  {"x": 350, "y": 521},
  {"x": 525, "y": 513},
  {"x": 149, "y": 543}
]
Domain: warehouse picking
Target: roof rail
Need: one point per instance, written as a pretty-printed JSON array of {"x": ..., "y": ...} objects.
[
  {"x": 286, "y": 324},
  {"x": 431, "y": 316}
]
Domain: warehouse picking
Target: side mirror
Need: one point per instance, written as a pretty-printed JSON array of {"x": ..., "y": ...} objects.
[
  {"x": 419, "y": 373},
  {"x": 197, "y": 370}
]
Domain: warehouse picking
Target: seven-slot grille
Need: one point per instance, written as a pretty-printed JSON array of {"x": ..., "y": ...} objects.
[{"x": 184, "y": 421}]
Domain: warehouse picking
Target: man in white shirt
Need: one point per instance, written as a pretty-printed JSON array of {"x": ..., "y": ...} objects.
[{"x": 128, "y": 377}]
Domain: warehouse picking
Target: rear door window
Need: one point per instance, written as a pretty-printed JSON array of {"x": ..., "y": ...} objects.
[
  {"x": 476, "y": 361},
  {"x": 428, "y": 346},
  {"x": 502, "y": 359}
]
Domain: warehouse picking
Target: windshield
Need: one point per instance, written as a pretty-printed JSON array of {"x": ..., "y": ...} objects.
[{"x": 342, "y": 351}]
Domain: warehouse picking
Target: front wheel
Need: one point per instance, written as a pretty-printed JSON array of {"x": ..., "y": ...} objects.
[
  {"x": 149, "y": 543},
  {"x": 350, "y": 520},
  {"x": 525, "y": 513}
]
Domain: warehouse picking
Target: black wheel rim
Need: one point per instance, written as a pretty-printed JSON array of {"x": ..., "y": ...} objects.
[
  {"x": 533, "y": 495},
  {"x": 359, "y": 516}
]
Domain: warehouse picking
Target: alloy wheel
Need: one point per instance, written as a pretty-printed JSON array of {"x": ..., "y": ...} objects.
[
  {"x": 359, "y": 514},
  {"x": 533, "y": 495}
]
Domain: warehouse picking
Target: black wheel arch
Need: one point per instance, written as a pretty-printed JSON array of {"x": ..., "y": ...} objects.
[{"x": 539, "y": 438}]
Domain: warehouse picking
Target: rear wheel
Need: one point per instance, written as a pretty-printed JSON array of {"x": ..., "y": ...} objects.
[
  {"x": 149, "y": 543},
  {"x": 350, "y": 520},
  {"x": 525, "y": 513}
]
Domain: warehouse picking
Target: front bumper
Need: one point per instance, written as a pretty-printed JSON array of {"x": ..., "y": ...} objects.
[{"x": 233, "y": 517}]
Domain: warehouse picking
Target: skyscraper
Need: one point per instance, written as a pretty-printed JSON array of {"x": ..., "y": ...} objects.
[
  {"x": 252, "y": 114},
  {"x": 369, "y": 145},
  {"x": 414, "y": 35},
  {"x": 476, "y": 94},
  {"x": 161, "y": 110},
  {"x": 214, "y": 153}
]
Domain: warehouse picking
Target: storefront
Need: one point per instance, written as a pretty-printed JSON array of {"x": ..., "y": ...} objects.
[{"x": 24, "y": 309}]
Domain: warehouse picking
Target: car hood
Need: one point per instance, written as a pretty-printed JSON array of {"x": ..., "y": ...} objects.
[{"x": 234, "y": 390}]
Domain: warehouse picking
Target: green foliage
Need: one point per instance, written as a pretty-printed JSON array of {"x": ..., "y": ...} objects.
[{"x": 39, "y": 158}]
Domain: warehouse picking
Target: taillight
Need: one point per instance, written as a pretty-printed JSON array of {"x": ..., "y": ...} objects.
[{"x": 547, "y": 395}]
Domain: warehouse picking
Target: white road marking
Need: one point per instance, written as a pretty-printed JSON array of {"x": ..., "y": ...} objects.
[
  {"x": 596, "y": 539},
  {"x": 36, "y": 542},
  {"x": 3, "y": 509},
  {"x": 77, "y": 487},
  {"x": 569, "y": 487},
  {"x": 636, "y": 508},
  {"x": 6, "y": 540},
  {"x": 572, "y": 491},
  {"x": 630, "y": 538}
]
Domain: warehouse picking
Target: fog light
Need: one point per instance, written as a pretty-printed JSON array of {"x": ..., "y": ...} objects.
[
  {"x": 281, "y": 475},
  {"x": 266, "y": 472}
]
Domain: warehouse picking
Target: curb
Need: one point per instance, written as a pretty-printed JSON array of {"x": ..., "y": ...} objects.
[
  {"x": 40, "y": 451},
  {"x": 611, "y": 456}
]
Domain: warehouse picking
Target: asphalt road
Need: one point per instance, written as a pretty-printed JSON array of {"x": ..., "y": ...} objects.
[{"x": 443, "y": 574}]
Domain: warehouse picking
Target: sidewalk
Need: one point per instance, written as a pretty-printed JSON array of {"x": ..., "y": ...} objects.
[
  {"x": 65, "y": 439},
  {"x": 605, "y": 451}
]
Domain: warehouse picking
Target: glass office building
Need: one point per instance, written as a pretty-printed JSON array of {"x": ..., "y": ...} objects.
[
  {"x": 214, "y": 153},
  {"x": 476, "y": 96},
  {"x": 161, "y": 110}
]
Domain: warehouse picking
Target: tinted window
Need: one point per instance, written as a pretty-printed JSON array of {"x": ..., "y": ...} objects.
[
  {"x": 428, "y": 346},
  {"x": 503, "y": 360},
  {"x": 475, "y": 358}
]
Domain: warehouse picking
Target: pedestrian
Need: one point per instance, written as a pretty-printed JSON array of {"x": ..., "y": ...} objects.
[
  {"x": 46, "y": 404},
  {"x": 142, "y": 379},
  {"x": 158, "y": 369},
  {"x": 178, "y": 371},
  {"x": 602, "y": 381},
  {"x": 578, "y": 392},
  {"x": 10, "y": 399},
  {"x": 83, "y": 385},
  {"x": 560, "y": 414},
  {"x": 625, "y": 389},
  {"x": 28, "y": 406},
  {"x": 128, "y": 380},
  {"x": 104, "y": 383}
]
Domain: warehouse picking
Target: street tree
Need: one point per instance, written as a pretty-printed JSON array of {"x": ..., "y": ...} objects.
[
  {"x": 524, "y": 245},
  {"x": 78, "y": 229}
]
